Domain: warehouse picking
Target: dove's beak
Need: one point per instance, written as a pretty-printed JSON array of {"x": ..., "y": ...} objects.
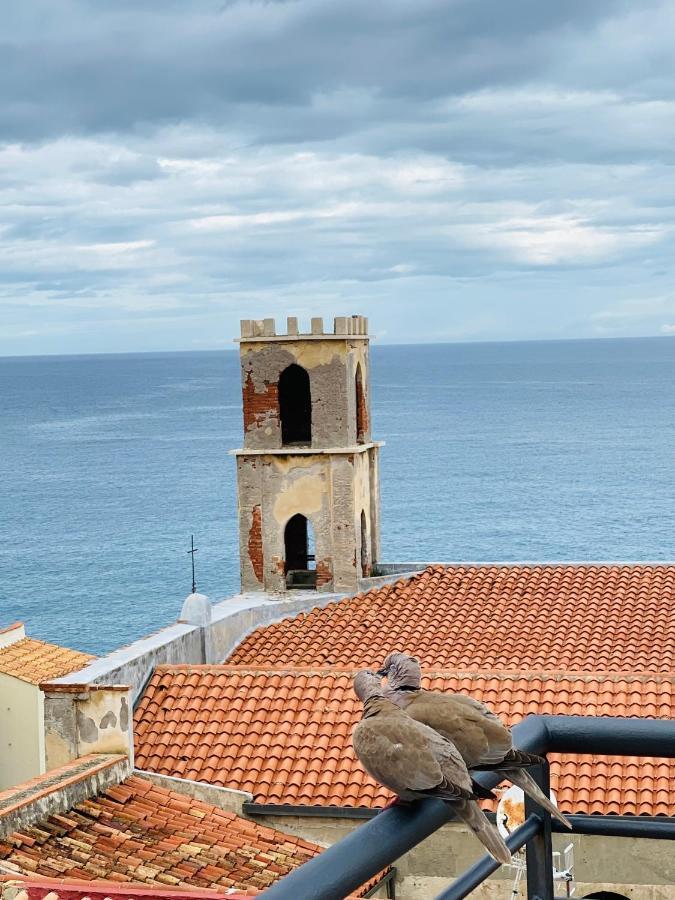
[{"x": 381, "y": 672}]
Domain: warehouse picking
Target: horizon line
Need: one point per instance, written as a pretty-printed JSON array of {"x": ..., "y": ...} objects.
[{"x": 374, "y": 337}]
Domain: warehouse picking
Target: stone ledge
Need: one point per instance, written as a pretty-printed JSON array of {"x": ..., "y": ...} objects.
[
  {"x": 56, "y": 791},
  {"x": 308, "y": 451}
]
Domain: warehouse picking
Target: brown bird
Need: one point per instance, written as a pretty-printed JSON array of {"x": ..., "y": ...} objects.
[
  {"x": 481, "y": 737},
  {"x": 415, "y": 761}
]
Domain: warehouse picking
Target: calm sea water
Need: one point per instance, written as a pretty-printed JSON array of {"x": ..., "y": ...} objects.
[{"x": 519, "y": 451}]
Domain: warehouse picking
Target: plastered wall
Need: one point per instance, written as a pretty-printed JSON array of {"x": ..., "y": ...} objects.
[
  {"x": 331, "y": 366},
  {"x": 331, "y": 491},
  {"x": 93, "y": 719}
]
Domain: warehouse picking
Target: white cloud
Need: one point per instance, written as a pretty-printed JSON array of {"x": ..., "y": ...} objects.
[{"x": 325, "y": 157}]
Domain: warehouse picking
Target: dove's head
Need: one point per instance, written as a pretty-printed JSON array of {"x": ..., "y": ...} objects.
[
  {"x": 367, "y": 684},
  {"x": 402, "y": 671}
]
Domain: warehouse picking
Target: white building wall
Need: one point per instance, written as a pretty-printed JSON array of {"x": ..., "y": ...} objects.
[{"x": 22, "y": 741}]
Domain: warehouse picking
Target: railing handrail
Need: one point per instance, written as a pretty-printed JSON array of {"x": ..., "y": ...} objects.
[{"x": 379, "y": 842}]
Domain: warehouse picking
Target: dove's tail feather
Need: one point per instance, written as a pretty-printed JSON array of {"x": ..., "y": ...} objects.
[
  {"x": 471, "y": 813},
  {"x": 513, "y": 759},
  {"x": 525, "y": 781}
]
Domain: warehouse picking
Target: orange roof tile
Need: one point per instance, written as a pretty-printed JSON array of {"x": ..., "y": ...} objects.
[
  {"x": 285, "y": 736},
  {"x": 138, "y": 833},
  {"x": 590, "y": 618},
  {"x": 35, "y": 661}
]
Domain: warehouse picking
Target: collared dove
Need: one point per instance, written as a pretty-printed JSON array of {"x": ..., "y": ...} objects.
[
  {"x": 481, "y": 737},
  {"x": 414, "y": 761}
]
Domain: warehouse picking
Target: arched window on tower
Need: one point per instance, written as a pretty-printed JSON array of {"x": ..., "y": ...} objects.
[
  {"x": 365, "y": 567},
  {"x": 295, "y": 406},
  {"x": 299, "y": 556},
  {"x": 361, "y": 415}
]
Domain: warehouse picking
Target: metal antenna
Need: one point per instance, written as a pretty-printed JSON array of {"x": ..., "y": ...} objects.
[{"x": 191, "y": 552}]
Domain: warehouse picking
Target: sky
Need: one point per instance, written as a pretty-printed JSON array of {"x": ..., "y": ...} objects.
[{"x": 456, "y": 170}]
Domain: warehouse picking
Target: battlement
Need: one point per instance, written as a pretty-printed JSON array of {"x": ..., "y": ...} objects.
[{"x": 265, "y": 329}]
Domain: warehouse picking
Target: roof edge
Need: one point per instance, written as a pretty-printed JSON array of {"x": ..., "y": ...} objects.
[{"x": 59, "y": 789}]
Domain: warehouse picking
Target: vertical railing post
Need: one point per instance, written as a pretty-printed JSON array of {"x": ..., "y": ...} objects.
[{"x": 539, "y": 850}]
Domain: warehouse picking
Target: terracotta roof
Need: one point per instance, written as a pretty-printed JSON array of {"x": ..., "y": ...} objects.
[
  {"x": 35, "y": 661},
  {"x": 589, "y": 618},
  {"x": 285, "y": 735},
  {"x": 137, "y": 832}
]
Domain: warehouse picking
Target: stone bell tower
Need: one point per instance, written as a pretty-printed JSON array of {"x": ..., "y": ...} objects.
[{"x": 309, "y": 509}]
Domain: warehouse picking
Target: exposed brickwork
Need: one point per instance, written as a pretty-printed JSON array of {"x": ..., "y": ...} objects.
[
  {"x": 255, "y": 546},
  {"x": 361, "y": 410},
  {"x": 324, "y": 571},
  {"x": 259, "y": 405}
]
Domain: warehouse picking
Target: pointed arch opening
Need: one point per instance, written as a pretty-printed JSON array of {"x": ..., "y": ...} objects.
[
  {"x": 365, "y": 564},
  {"x": 295, "y": 406},
  {"x": 361, "y": 415},
  {"x": 299, "y": 555}
]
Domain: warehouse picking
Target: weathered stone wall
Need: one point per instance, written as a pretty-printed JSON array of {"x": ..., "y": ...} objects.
[
  {"x": 83, "y": 719},
  {"x": 330, "y": 490},
  {"x": 133, "y": 665},
  {"x": 326, "y": 363},
  {"x": 331, "y": 364}
]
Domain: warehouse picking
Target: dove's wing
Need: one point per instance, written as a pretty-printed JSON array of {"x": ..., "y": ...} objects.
[
  {"x": 406, "y": 757},
  {"x": 450, "y": 760},
  {"x": 480, "y": 738},
  {"x": 477, "y": 706}
]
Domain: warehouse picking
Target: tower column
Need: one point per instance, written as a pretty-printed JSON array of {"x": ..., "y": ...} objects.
[{"x": 307, "y": 472}]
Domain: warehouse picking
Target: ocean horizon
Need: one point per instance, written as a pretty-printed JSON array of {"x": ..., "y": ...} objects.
[{"x": 536, "y": 451}]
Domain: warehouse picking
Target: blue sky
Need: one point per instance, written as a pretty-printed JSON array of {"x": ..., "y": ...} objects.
[{"x": 454, "y": 170}]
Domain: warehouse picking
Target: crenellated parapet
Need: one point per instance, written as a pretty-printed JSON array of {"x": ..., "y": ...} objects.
[{"x": 265, "y": 329}]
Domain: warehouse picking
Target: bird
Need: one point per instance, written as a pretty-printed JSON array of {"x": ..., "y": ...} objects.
[
  {"x": 483, "y": 740},
  {"x": 414, "y": 761}
]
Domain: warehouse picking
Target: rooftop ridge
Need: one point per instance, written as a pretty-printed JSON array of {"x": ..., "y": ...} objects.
[{"x": 428, "y": 671}]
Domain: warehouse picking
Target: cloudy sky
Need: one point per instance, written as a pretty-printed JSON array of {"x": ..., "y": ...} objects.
[{"x": 456, "y": 170}]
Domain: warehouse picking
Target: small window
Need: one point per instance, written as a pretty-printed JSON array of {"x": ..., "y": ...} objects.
[
  {"x": 361, "y": 414},
  {"x": 295, "y": 406},
  {"x": 300, "y": 560},
  {"x": 365, "y": 567}
]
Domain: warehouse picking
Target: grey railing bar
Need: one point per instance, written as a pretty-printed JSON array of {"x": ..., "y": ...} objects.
[
  {"x": 486, "y": 865},
  {"x": 613, "y": 736},
  {"x": 539, "y": 849},
  {"x": 662, "y": 828}
]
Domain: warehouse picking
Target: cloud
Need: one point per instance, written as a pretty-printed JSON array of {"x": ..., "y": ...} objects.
[{"x": 458, "y": 170}]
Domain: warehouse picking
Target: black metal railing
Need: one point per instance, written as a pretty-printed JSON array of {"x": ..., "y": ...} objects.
[{"x": 343, "y": 868}]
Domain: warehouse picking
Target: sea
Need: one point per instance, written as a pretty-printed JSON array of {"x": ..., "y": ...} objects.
[{"x": 536, "y": 451}]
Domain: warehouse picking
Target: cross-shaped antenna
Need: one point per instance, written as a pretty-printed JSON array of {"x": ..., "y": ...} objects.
[{"x": 191, "y": 552}]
